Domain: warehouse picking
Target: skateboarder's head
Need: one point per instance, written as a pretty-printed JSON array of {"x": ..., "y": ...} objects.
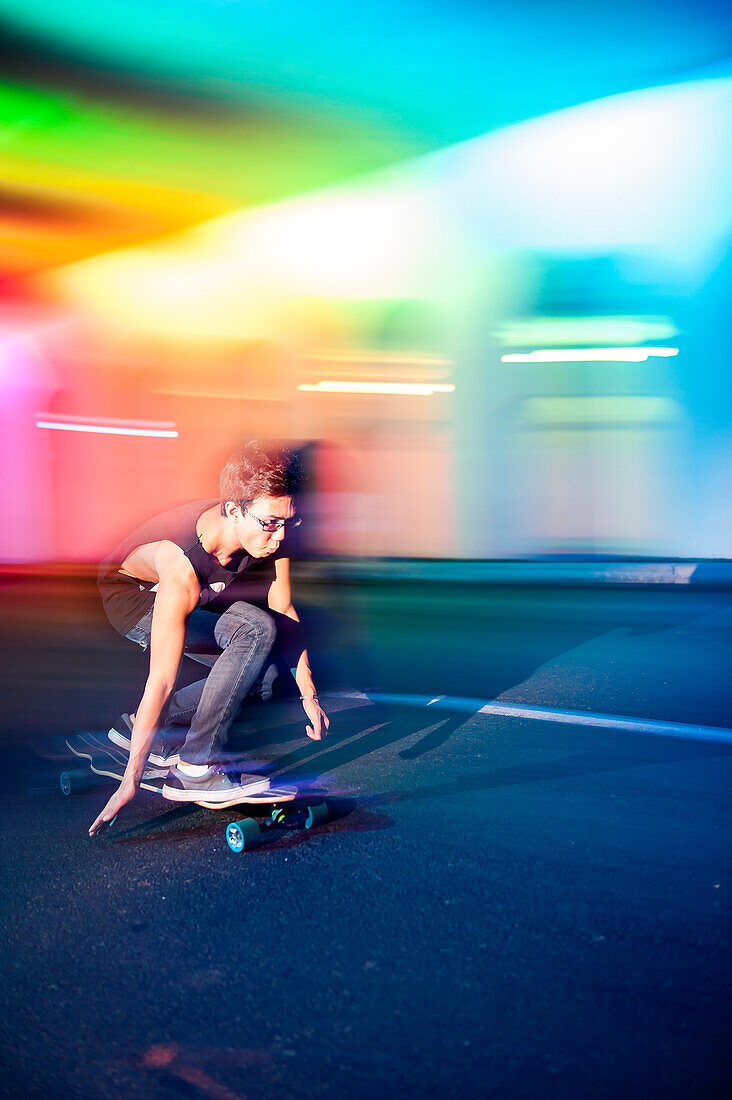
[{"x": 257, "y": 488}]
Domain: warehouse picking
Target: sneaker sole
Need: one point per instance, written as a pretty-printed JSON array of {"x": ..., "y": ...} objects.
[
  {"x": 175, "y": 794},
  {"x": 146, "y": 782},
  {"x": 123, "y": 742},
  {"x": 119, "y": 739}
]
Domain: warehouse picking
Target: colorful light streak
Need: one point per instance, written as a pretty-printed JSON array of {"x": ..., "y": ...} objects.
[
  {"x": 602, "y": 410},
  {"x": 412, "y": 389},
  {"x": 218, "y": 395},
  {"x": 405, "y": 359},
  {"x": 91, "y": 177},
  {"x": 417, "y": 232},
  {"x": 160, "y": 430},
  {"x": 608, "y": 330},
  {"x": 438, "y": 69}
]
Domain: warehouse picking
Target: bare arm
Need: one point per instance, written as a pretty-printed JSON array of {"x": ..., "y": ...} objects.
[
  {"x": 176, "y": 598},
  {"x": 177, "y": 595},
  {"x": 279, "y": 598}
]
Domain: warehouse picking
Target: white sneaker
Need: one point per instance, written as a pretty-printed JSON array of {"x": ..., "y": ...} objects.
[
  {"x": 161, "y": 754},
  {"x": 216, "y": 785}
]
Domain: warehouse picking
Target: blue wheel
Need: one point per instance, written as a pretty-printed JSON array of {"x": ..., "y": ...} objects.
[
  {"x": 316, "y": 815},
  {"x": 241, "y": 835},
  {"x": 75, "y": 780}
]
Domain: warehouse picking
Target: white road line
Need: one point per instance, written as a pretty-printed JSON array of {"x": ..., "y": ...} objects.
[{"x": 556, "y": 714}]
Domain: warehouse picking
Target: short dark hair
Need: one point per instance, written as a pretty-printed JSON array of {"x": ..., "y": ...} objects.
[{"x": 261, "y": 468}]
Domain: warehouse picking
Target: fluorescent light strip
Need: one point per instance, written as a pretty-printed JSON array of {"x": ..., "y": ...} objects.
[
  {"x": 105, "y": 429},
  {"x": 589, "y": 355},
  {"x": 414, "y": 389},
  {"x": 105, "y": 421}
]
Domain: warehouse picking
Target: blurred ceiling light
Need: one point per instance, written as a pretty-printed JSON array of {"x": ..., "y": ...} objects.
[
  {"x": 247, "y": 274},
  {"x": 588, "y": 331},
  {"x": 589, "y": 355},
  {"x": 597, "y": 176},
  {"x": 104, "y": 426},
  {"x": 415, "y": 389},
  {"x": 594, "y": 177}
]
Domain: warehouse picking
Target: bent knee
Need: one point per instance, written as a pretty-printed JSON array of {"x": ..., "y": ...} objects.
[{"x": 244, "y": 620}]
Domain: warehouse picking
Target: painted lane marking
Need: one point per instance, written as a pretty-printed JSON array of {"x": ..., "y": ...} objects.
[{"x": 651, "y": 726}]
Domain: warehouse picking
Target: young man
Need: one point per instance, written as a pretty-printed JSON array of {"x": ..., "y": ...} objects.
[{"x": 155, "y": 588}]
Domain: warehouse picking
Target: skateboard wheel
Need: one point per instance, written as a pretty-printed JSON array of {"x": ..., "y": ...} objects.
[
  {"x": 316, "y": 815},
  {"x": 75, "y": 780},
  {"x": 243, "y": 834}
]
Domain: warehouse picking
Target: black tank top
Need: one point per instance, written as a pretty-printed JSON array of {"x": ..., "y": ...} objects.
[{"x": 127, "y": 599}]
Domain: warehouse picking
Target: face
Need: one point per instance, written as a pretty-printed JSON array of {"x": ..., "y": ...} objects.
[{"x": 253, "y": 537}]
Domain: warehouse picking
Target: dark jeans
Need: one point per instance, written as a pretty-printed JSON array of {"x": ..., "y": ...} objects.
[{"x": 245, "y": 648}]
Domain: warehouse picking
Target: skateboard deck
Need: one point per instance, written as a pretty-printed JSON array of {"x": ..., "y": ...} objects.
[{"x": 100, "y": 759}]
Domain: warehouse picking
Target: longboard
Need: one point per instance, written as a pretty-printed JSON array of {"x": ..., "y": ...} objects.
[{"x": 105, "y": 760}]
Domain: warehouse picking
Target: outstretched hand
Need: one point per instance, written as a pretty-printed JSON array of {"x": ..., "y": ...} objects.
[
  {"x": 124, "y": 794},
  {"x": 319, "y": 721}
]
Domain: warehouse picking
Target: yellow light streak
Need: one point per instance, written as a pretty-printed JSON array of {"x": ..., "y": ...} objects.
[
  {"x": 412, "y": 389},
  {"x": 219, "y": 395}
]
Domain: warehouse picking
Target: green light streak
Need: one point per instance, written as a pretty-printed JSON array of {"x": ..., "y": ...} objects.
[
  {"x": 596, "y": 411},
  {"x": 587, "y": 331},
  {"x": 248, "y": 157}
]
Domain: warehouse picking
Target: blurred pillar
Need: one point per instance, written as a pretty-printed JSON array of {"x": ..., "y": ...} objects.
[{"x": 26, "y": 504}]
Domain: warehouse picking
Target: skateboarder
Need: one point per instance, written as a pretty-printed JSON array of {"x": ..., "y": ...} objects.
[{"x": 155, "y": 588}]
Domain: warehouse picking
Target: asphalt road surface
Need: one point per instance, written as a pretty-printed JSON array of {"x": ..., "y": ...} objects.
[{"x": 499, "y": 906}]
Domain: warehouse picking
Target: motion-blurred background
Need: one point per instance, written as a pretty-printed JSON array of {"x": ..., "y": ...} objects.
[{"x": 471, "y": 256}]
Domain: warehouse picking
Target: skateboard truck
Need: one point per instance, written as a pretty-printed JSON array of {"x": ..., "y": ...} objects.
[
  {"x": 105, "y": 761},
  {"x": 248, "y": 833}
]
